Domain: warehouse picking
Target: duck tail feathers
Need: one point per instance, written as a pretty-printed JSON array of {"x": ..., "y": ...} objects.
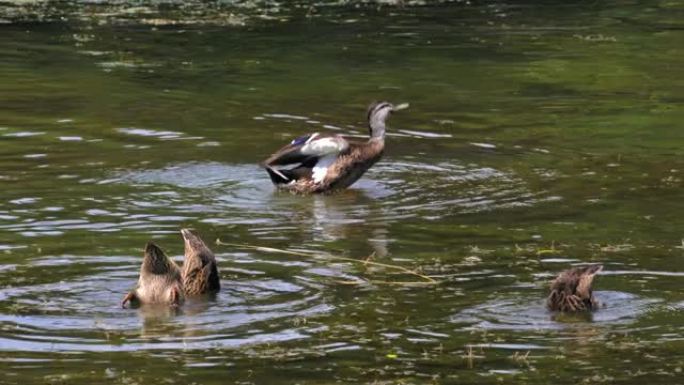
[{"x": 279, "y": 176}]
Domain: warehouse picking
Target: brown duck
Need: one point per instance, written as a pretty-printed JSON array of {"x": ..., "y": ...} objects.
[
  {"x": 324, "y": 163},
  {"x": 200, "y": 273},
  {"x": 159, "y": 282},
  {"x": 571, "y": 291}
]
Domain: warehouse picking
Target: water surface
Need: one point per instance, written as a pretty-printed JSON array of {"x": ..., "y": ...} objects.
[{"x": 539, "y": 136}]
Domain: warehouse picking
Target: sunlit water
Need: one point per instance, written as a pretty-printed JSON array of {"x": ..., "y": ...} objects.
[{"x": 539, "y": 136}]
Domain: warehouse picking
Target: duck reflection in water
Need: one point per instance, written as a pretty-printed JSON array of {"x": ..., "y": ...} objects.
[
  {"x": 160, "y": 321},
  {"x": 348, "y": 215}
]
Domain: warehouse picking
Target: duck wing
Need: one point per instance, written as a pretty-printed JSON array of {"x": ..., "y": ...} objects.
[
  {"x": 308, "y": 149},
  {"x": 283, "y": 176}
]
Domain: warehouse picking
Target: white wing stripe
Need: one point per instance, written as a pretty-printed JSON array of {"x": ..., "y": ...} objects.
[{"x": 320, "y": 170}]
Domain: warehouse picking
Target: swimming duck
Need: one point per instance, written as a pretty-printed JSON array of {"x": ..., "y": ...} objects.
[
  {"x": 200, "y": 272},
  {"x": 159, "y": 282},
  {"x": 325, "y": 162},
  {"x": 571, "y": 290}
]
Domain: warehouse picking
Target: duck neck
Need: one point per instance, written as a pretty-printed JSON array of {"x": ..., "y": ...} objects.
[{"x": 377, "y": 129}]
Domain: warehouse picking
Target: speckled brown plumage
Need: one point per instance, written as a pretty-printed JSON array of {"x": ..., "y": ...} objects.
[
  {"x": 346, "y": 170},
  {"x": 572, "y": 291},
  {"x": 159, "y": 282},
  {"x": 200, "y": 272}
]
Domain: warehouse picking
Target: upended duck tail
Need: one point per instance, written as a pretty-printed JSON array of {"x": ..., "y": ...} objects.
[{"x": 279, "y": 176}]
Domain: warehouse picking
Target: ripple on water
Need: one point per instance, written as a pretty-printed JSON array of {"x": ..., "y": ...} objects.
[
  {"x": 194, "y": 175},
  {"x": 227, "y": 194},
  {"x": 447, "y": 188},
  {"x": 75, "y": 307},
  {"x": 524, "y": 313},
  {"x": 224, "y": 194},
  {"x": 158, "y": 134},
  {"x": 23, "y": 134},
  {"x": 445, "y": 185}
]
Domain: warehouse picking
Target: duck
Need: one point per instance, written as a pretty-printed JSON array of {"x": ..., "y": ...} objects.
[
  {"x": 572, "y": 291},
  {"x": 323, "y": 163},
  {"x": 200, "y": 272},
  {"x": 159, "y": 282}
]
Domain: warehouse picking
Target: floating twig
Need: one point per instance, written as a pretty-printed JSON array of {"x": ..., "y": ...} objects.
[{"x": 366, "y": 262}]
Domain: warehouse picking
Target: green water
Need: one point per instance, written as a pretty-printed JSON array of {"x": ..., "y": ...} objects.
[{"x": 539, "y": 136}]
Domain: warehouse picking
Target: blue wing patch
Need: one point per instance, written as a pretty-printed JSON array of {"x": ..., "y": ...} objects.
[{"x": 301, "y": 140}]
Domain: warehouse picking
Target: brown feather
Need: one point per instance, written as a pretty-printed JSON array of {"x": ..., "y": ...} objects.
[
  {"x": 200, "y": 271},
  {"x": 572, "y": 291},
  {"x": 347, "y": 168},
  {"x": 159, "y": 282}
]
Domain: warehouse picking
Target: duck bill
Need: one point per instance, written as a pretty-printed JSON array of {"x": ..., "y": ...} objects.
[{"x": 400, "y": 107}]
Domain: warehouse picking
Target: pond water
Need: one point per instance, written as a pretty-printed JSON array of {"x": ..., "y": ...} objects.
[{"x": 539, "y": 136}]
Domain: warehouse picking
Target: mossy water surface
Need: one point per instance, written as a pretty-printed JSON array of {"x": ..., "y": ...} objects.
[{"x": 539, "y": 135}]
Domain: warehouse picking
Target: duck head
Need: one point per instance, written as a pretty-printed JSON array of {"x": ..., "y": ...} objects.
[{"x": 378, "y": 113}]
